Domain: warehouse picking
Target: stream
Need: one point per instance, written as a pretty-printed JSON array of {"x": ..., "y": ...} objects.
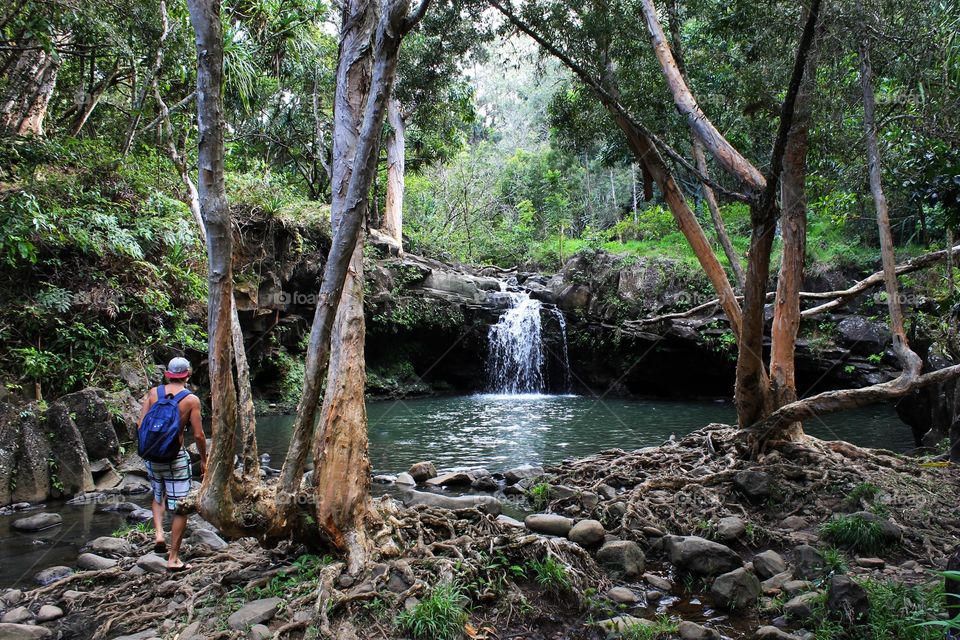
[{"x": 494, "y": 431}]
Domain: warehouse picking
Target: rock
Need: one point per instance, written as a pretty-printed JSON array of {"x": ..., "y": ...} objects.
[
  {"x": 396, "y": 583},
  {"x": 208, "y": 538},
  {"x": 692, "y": 631},
  {"x": 701, "y": 556},
  {"x": 422, "y": 471},
  {"x": 863, "y": 336},
  {"x": 12, "y": 597},
  {"x": 775, "y": 582},
  {"x": 794, "y": 523},
  {"x": 623, "y": 595},
  {"x": 892, "y": 533},
  {"x": 656, "y": 581},
  {"x": 133, "y": 465},
  {"x": 587, "y": 533},
  {"x": 653, "y": 596},
  {"x": 607, "y": 492},
  {"x": 112, "y": 547},
  {"x": 17, "y": 616},
  {"x": 847, "y": 600},
  {"x": 510, "y": 522},
  {"x": 793, "y": 587},
  {"x": 652, "y": 532},
  {"x": 109, "y": 480},
  {"x": 152, "y": 563},
  {"x": 38, "y": 522},
  {"x": 68, "y": 453},
  {"x": 93, "y": 562},
  {"x": 768, "y": 564},
  {"x": 25, "y": 447},
  {"x": 49, "y": 612},
  {"x": 51, "y": 575},
  {"x": 148, "y": 634},
  {"x": 772, "y": 633},
  {"x": 139, "y": 515},
  {"x": 561, "y": 492},
  {"x": 94, "y": 497},
  {"x": 95, "y": 421},
  {"x": 487, "y": 504},
  {"x": 485, "y": 483},
  {"x": 755, "y": 485},
  {"x": 254, "y": 612},
  {"x": 808, "y": 562},
  {"x": 730, "y": 528},
  {"x": 522, "y": 472},
  {"x": 23, "y": 632},
  {"x": 405, "y": 479},
  {"x": 800, "y": 608},
  {"x": 870, "y": 563},
  {"x": 259, "y": 632},
  {"x": 452, "y": 479},
  {"x": 70, "y": 595},
  {"x": 623, "y": 624},
  {"x": 548, "y": 523},
  {"x": 589, "y": 501},
  {"x": 622, "y": 558},
  {"x": 736, "y": 589}
]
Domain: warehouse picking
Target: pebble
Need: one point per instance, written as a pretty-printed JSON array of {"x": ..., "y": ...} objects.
[
  {"x": 622, "y": 595},
  {"x": 656, "y": 581},
  {"x": 49, "y": 612}
]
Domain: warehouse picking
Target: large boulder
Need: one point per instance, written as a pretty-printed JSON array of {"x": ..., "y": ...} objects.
[
  {"x": 24, "y": 455},
  {"x": 95, "y": 420},
  {"x": 863, "y": 336},
  {"x": 736, "y": 589},
  {"x": 38, "y": 522},
  {"x": 487, "y": 504},
  {"x": 71, "y": 465},
  {"x": 622, "y": 558},
  {"x": 701, "y": 556},
  {"x": 808, "y": 562}
]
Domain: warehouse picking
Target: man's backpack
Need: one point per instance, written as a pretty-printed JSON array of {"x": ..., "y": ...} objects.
[{"x": 159, "y": 435}]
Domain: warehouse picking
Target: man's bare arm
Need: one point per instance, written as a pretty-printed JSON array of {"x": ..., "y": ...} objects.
[{"x": 196, "y": 427}]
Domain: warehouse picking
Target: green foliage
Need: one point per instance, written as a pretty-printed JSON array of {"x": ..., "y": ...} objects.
[
  {"x": 539, "y": 496},
  {"x": 127, "y": 529},
  {"x": 835, "y": 560},
  {"x": 439, "y": 616},
  {"x": 550, "y": 574},
  {"x": 854, "y": 532},
  {"x": 302, "y": 575},
  {"x": 663, "y": 628}
]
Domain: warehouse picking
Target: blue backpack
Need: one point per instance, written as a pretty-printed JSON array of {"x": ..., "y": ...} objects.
[{"x": 159, "y": 434}]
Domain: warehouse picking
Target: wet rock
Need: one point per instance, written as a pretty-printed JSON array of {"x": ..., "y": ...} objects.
[
  {"x": 622, "y": 558},
  {"x": 847, "y": 600},
  {"x": 38, "y": 522},
  {"x": 487, "y": 504},
  {"x": 656, "y": 581},
  {"x": 208, "y": 538},
  {"x": 755, "y": 485},
  {"x": 623, "y": 595},
  {"x": 51, "y": 575},
  {"x": 772, "y": 633},
  {"x": 405, "y": 479},
  {"x": 523, "y": 472},
  {"x": 452, "y": 479},
  {"x": 701, "y": 556},
  {"x": 93, "y": 418},
  {"x": 692, "y": 631},
  {"x": 23, "y": 632},
  {"x": 68, "y": 452},
  {"x": 623, "y": 624},
  {"x": 653, "y": 596},
  {"x": 93, "y": 562},
  {"x": 736, "y": 589},
  {"x": 510, "y": 522},
  {"x": 17, "y": 616},
  {"x": 25, "y": 447},
  {"x": 768, "y": 564},
  {"x": 139, "y": 515},
  {"x": 587, "y": 533},
  {"x": 485, "y": 483},
  {"x": 384, "y": 479},
  {"x": 253, "y": 613},
  {"x": 548, "y": 523},
  {"x": 152, "y": 563},
  {"x": 730, "y": 528},
  {"x": 800, "y": 608},
  {"x": 87, "y": 498},
  {"x": 422, "y": 471},
  {"x": 49, "y": 612},
  {"x": 111, "y": 547},
  {"x": 808, "y": 563},
  {"x": 259, "y": 632}
]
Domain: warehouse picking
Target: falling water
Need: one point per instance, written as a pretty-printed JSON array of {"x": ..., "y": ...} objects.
[
  {"x": 516, "y": 350},
  {"x": 562, "y": 321}
]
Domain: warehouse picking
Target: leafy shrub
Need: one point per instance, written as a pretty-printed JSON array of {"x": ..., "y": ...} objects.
[
  {"x": 854, "y": 532},
  {"x": 550, "y": 574},
  {"x": 441, "y": 616},
  {"x": 663, "y": 628}
]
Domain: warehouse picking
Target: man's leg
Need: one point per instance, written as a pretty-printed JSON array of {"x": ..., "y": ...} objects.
[
  {"x": 176, "y": 537},
  {"x": 158, "y": 511}
]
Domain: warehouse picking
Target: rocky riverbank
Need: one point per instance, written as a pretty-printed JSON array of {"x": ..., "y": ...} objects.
[{"x": 687, "y": 540}]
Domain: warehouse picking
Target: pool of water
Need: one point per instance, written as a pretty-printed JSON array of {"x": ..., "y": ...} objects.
[
  {"x": 496, "y": 432},
  {"x": 499, "y": 432}
]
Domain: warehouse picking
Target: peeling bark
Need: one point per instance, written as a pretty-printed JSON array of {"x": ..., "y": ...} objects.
[
  {"x": 29, "y": 88},
  {"x": 392, "y": 224}
]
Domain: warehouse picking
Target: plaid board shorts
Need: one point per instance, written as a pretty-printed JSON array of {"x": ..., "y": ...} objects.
[{"x": 172, "y": 479}]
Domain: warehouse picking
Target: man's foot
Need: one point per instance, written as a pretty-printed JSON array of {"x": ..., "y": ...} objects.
[
  {"x": 160, "y": 546},
  {"x": 180, "y": 566}
]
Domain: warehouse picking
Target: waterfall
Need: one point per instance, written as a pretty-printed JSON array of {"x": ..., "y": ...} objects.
[
  {"x": 562, "y": 321},
  {"x": 516, "y": 350}
]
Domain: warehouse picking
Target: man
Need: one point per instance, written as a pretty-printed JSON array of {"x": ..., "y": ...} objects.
[{"x": 171, "y": 480}]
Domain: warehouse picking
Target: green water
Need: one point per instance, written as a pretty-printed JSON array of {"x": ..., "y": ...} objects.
[{"x": 499, "y": 432}]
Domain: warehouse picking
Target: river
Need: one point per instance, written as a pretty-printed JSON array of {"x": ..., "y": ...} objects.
[{"x": 493, "y": 431}]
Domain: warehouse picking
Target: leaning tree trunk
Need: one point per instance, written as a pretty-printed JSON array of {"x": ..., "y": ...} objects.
[
  {"x": 29, "y": 88},
  {"x": 392, "y": 224},
  {"x": 216, "y": 500}
]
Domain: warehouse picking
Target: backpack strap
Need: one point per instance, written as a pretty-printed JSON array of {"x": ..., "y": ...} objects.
[
  {"x": 161, "y": 392},
  {"x": 180, "y": 396}
]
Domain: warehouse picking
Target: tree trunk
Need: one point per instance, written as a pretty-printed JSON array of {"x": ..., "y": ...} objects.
[
  {"x": 793, "y": 226},
  {"x": 216, "y": 495},
  {"x": 392, "y": 224},
  {"x": 29, "y": 88},
  {"x": 148, "y": 81},
  {"x": 92, "y": 99}
]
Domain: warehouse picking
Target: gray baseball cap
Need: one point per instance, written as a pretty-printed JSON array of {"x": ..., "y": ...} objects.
[{"x": 178, "y": 368}]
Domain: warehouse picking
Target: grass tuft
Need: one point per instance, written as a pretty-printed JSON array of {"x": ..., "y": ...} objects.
[
  {"x": 855, "y": 533},
  {"x": 441, "y": 616}
]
